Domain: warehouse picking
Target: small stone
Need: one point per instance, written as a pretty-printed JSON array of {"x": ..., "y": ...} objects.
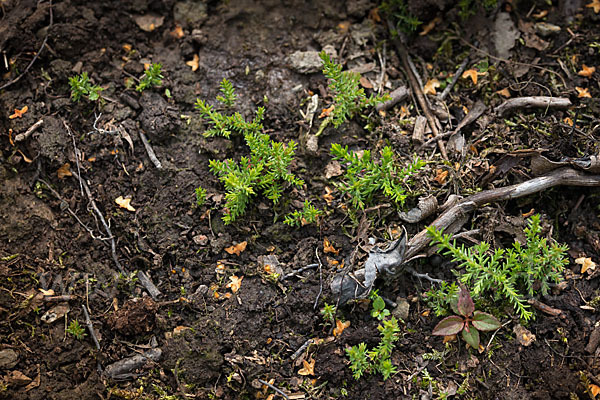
[
  {"x": 308, "y": 62},
  {"x": 545, "y": 29},
  {"x": 201, "y": 240},
  {"x": 402, "y": 309},
  {"x": 8, "y": 358}
]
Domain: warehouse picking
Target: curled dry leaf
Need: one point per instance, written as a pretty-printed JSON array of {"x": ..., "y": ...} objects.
[
  {"x": 586, "y": 71},
  {"x": 328, "y": 197},
  {"x": 328, "y": 247},
  {"x": 583, "y": 92},
  {"x": 429, "y": 27},
  {"x": 504, "y": 93},
  {"x": 586, "y": 264},
  {"x": 194, "y": 63},
  {"x": 470, "y": 73},
  {"x": 595, "y": 5},
  {"x": 64, "y": 171},
  {"x": 237, "y": 249},
  {"x": 430, "y": 86},
  {"x": 124, "y": 203},
  {"x": 19, "y": 113},
  {"x": 339, "y": 327},
  {"x": 440, "y": 176},
  {"x": 308, "y": 367},
  {"x": 235, "y": 283}
]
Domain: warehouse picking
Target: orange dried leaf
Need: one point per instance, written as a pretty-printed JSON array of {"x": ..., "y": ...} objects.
[
  {"x": 504, "y": 93},
  {"x": 429, "y": 27},
  {"x": 308, "y": 367},
  {"x": 594, "y": 389},
  {"x": 328, "y": 247},
  {"x": 19, "y": 113},
  {"x": 449, "y": 338},
  {"x": 235, "y": 283},
  {"x": 586, "y": 264},
  {"x": 237, "y": 249},
  {"x": 441, "y": 176},
  {"x": 541, "y": 14},
  {"x": 586, "y": 71},
  {"x": 470, "y": 73},
  {"x": 327, "y": 196},
  {"x": 64, "y": 171},
  {"x": 339, "y": 327},
  {"x": 326, "y": 111},
  {"x": 583, "y": 92},
  {"x": 124, "y": 203},
  {"x": 365, "y": 82},
  {"x": 194, "y": 63},
  {"x": 595, "y": 4},
  {"x": 568, "y": 121},
  {"x": 177, "y": 32},
  {"x": 430, "y": 86}
]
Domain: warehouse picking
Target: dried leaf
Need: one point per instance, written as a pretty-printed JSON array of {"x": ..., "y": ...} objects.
[
  {"x": 339, "y": 327},
  {"x": 326, "y": 111},
  {"x": 194, "y": 63},
  {"x": 237, "y": 249},
  {"x": 441, "y": 176},
  {"x": 586, "y": 264},
  {"x": 64, "y": 171},
  {"x": 568, "y": 121},
  {"x": 327, "y": 196},
  {"x": 124, "y": 203},
  {"x": 177, "y": 32},
  {"x": 595, "y": 4},
  {"x": 19, "y": 113},
  {"x": 365, "y": 82},
  {"x": 235, "y": 283},
  {"x": 504, "y": 93},
  {"x": 594, "y": 389},
  {"x": 328, "y": 247},
  {"x": 587, "y": 71},
  {"x": 541, "y": 14},
  {"x": 470, "y": 73},
  {"x": 429, "y": 27},
  {"x": 308, "y": 367},
  {"x": 48, "y": 292},
  {"x": 583, "y": 92},
  {"x": 430, "y": 86},
  {"x": 524, "y": 336}
]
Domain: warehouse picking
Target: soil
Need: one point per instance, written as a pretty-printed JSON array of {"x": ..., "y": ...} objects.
[{"x": 208, "y": 339}]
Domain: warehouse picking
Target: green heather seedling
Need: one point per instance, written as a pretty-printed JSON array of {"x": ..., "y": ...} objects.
[
  {"x": 509, "y": 274},
  {"x": 366, "y": 177},
  {"x": 82, "y": 87},
  {"x": 328, "y": 313},
  {"x": 200, "y": 196},
  {"x": 152, "y": 77},
  {"x": 76, "y": 330},
  {"x": 265, "y": 171},
  {"x": 398, "y": 11},
  {"x": 349, "y": 98},
  {"x": 469, "y": 321},
  {"x": 377, "y": 359},
  {"x": 308, "y": 215}
]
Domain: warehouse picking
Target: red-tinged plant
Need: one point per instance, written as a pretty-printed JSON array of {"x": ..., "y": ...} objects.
[{"x": 470, "y": 322}]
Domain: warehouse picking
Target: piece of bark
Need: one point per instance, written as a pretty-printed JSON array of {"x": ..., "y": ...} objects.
[{"x": 527, "y": 103}]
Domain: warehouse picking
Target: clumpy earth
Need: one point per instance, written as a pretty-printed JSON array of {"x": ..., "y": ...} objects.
[{"x": 230, "y": 308}]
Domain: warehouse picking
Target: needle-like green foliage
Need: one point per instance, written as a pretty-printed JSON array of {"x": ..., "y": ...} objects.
[
  {"x": 366, "y": 177},
  {"x": 508, "y": 274},
  {"x": 152, "y": 77},
  {"x": 308, "y": 215},
  {"x": 81, "y": 86}
]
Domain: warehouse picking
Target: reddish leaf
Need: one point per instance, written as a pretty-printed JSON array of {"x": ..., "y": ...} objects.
[
  {"x": 485, "y": 322},
  {"x": 471, "y": 336},
  {"x": 449, "y": 326},
  {"x": 465, "y": 303}
]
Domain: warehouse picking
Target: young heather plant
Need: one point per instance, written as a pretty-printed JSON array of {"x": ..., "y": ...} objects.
[
  {"x": 510, "y": 274},
  {"x": 366, "y": 177},
  {"x": 152, "y": 77},
  {"x": 81, "y": 86},
  {"x": 265, "y": 171},
  {"x": 308, "y": 215},
  {"x": 377, "y": 359},
  {"x": 399, "y": 13},
  {"x": 469, "y": 321},
  {"x": 349, "y": 98}
]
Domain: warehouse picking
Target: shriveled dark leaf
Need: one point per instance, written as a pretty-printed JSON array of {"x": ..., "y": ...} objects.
[
  {"x": 449, "y": 326},
  {"x": 471, "y": 336},
  {"x": 465, "y": 302},
  {"x": 485, "y": 322}
]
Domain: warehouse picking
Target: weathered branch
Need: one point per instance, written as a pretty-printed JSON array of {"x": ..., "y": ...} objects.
[{"x": 532, "y": 102}]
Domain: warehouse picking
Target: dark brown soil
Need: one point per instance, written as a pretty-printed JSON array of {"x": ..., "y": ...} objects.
[{"x": 217, "y": 344}]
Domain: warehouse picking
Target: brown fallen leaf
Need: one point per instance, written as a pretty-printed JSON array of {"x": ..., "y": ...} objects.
[
  {"x": 64, "y": 171},
  {"x": 594, "y": 389},
  {"x": 177, "y": 32},
  {"x": 568, "y": 121},
  {"x": 235, "y": 283},
  {"x": 237, "y": 249},
  {"x": 470, "y": 73},
  {"x": 328, "y": 247},
  {"x": 586, "y": 71},
  {"x": 440, "y": 176},
  {"x": 504, "y": 93},
  {"x": 326, "y": 111},
  {"x": 308, "y": 367},
  {"x": 194, "y": 63},
  {"x": 430, "y": 86},
  {"x": 583, "y": 92},
  {"x": 595, "y": 4},
  {"x": 339, "y": 327},
  {"x": 429, "y": 27},
  {"x": 328, "y": 196},
  {"x": 365, "y": 82},
  {"x": 124, "y": 203},
  {"x": 19, "y": 113},
  {"x": 586, "y": 264}
]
